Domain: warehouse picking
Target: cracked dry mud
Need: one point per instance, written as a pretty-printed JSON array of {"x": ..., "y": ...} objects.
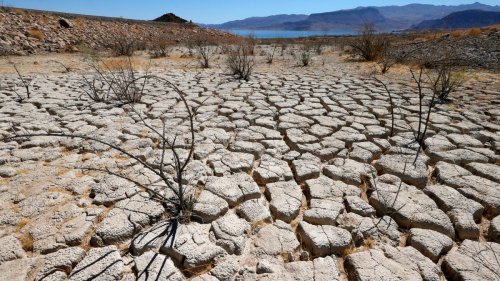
[{"x": 295, "y": 173}]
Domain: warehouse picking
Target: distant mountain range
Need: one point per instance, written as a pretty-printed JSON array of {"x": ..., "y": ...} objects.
[
  {"x": 386, "y": 18},
  {"x": 464, "y": 19}
]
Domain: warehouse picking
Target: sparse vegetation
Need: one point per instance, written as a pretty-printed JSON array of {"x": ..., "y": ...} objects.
[
  {"x": 305, "y": 55},
  {"x": 115, "y": 82},
  {"x": 368, "y": 44},
  {"x": 444, "y": 80},
  {"x": 123, "y": 45},
  {"x": 205, "y": 48},
  {"x": 240, "y": 61},
  {"x": 160, "y": 47},
  {"x": 270, "y": 55},
  {"x": 25, "y": 82}
]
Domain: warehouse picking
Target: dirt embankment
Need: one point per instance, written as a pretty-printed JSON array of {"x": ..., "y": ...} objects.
[{"x": 24, "y": 32}]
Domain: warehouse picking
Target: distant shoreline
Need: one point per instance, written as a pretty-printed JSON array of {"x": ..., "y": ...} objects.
[{"x": 287, "y": 34}]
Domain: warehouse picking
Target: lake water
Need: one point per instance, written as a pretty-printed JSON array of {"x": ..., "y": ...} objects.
[{"x": 287, "y": 33}]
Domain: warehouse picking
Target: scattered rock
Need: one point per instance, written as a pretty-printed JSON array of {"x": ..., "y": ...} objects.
[{"x": 264, "y": 266}]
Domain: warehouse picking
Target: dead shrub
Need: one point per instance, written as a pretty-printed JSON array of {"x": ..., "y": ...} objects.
[
  {"x": 115, "y": 81},
  {"x": 368, "y": 45},
  {"x": 123, "y": 45},
  {"x": 305, "y": 55},
  {"x": 444, "y": 80},
  {"x": 160, "y": 47},
  {"x": 206, "y": 48},
  {"x": 240, "y": 60},
  {"x": 270, "y": 55}
]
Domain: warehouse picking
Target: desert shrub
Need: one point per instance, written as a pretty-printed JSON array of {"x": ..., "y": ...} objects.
[
  {"x": 389, "y": 57},
  {"x": 36, "y": 33},
  {"x": 251, "y": 42},
  {"x": 123, "y": 45},
  {"x": 283, "y": 48},
  {"x": 240, "y": 60},
  {"x": 114, "y": 81},
  {"x": 305, "y": 55},
  {"x": 270, "y": 55},
  {"x": 205, "y": 48},
  {"x": 368, "y": 44},
  {"x": 160, "y": 47},
  {"x": 444, "y": 80},
  {"x": 25, "y": 82},
  {"x": 318, "y": 46}
]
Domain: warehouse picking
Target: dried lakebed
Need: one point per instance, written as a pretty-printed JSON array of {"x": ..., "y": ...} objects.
[{"x": 296, "y": 175}]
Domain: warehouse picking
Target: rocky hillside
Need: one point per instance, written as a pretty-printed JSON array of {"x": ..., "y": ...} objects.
[{"x": 25, "y": 32}]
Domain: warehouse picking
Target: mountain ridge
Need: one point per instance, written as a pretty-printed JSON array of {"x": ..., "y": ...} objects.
[
  {"x": 394, "y": 18},
  {"x": 462, "y": 19}
]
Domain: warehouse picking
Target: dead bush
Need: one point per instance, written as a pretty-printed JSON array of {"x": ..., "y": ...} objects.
[
  {"x": 368, "y": 45},
  {"x": 444, "y": 80},
  {"x": 305, "y": 55},
  {"x": 205, "y": 48},
  {"x": 113, "y": 81},
  {"x": 270, "y": 55},
  {"x": 160, "y": 47},
  {"x": 25, "y": 82},
  {"x": 240, "y": 60},
  {"x": 123, "y": 45}
]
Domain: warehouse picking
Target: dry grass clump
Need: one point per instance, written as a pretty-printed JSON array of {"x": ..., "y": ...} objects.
[
  {"x": 474, "y": 32},
  {"x": 456, "y": 33},
  {"x": 26, "y": 241},
  {"x": 114, "y": 64},
  {"x": 368, "y": 243},
  {"x": 36, "y": 33}
]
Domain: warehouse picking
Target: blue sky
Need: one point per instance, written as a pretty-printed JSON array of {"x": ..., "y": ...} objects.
[{"x": 210, "y": 11}]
